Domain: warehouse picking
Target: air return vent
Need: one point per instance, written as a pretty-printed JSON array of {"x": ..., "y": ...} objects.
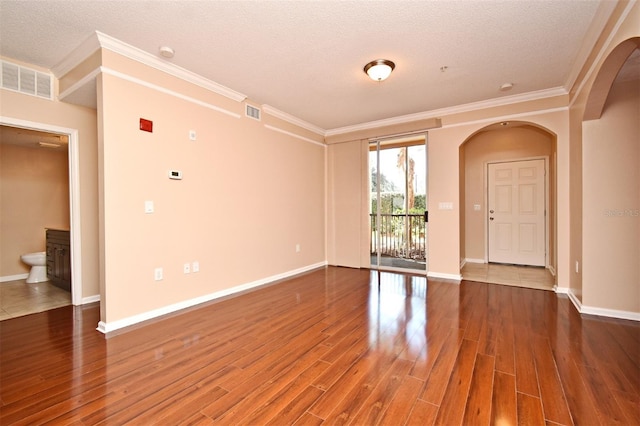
[
  {"x": 26, "y": 80},
  {"x": 253, "y": 112}
]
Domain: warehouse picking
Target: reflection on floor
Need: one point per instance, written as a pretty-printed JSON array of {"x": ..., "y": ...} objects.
[
  {"x": 17, "y": 298},
  {"x": 513, "y": 275},
  {"x": 399, "y": 284}
]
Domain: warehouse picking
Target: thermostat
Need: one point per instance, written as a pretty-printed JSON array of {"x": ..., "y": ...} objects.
[{"x": 175, "y": 174}]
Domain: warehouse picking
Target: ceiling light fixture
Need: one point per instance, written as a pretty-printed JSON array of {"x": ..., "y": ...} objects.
[
  {"x": 379, "y": 69},
  {"x": 48, "y": 145},
  {"x": 166, "y": 52},
  {"x": 506, "y": 87}
]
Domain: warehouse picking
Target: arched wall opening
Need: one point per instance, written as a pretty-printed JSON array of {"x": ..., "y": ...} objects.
[
  {"x": 611, "y": 187},
  {"x": 503, "y": 142}
]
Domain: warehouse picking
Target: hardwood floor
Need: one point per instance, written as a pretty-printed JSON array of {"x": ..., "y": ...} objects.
[{"x": 332, "y": 346}]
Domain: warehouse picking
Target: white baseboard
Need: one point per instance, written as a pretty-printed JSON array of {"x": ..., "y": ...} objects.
[
  {"x": 601, "y": 312},
  {"x": 471, "y": 260},
  {"x": 574, "y": 299},
  {"x": 107, "y": 327},
  {"x": 611, "y": 313},
  {"x": 462, "y": 263},
  {"x": 552, "y": 270},
  {"x": 561, "y": 290},
  {"x": 452, "y": 277},
  {"x": 90, "y": 299},
  {"x": 13, "y": 278}
]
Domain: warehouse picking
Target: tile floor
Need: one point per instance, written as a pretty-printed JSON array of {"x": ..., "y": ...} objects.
[
  {"x": 518, "y": 276},
  {"x": 17, "y": 298}
]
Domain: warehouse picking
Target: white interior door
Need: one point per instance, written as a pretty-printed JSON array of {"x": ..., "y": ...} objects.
[{"x": 516, "y": 195}]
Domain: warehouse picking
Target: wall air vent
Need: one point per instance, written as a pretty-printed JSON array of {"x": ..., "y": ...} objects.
[
  {"x": 253, "y": 112},
  {"x": 26, "y": 80}
]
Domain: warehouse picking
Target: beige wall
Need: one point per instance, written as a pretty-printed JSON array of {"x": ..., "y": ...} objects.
[
  {"x": 611, "y": 203},
  {"x": 616, "y": 33},
  {"x": 511, "y": 143},
  {"x": 445, "y": 247},
  {"x": 463, "y": 196},
  {"x": 248, "y": 196},
  {"x": 34, "y": 195},
  {"x": 18, "y": 107},
  {"x": 445, "y": 242}
]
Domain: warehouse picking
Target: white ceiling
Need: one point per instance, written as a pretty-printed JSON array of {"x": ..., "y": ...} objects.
[{"x": 305, "y": 58}]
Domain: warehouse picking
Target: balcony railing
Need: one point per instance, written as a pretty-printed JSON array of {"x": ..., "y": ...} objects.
[{"x": 401, "y": 236}]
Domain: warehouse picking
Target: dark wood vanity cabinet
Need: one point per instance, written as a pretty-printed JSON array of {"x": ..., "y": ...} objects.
[{"x": 59, "y": 258}]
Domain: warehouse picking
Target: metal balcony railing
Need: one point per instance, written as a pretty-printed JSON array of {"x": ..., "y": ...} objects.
[{"x": 401, "y": 235}]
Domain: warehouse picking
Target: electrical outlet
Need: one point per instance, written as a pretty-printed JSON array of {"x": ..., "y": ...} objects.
[
  {"x": 187, "y": 268},
  {"x": 195, "y": 266},
  {"x": 297, "y": 248},
  {"x": 157, "y": 274},
  {"x": 192, "y": 135}
]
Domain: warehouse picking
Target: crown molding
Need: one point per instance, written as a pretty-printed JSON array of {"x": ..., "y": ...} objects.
[
  {"x": 605, "y": 48},
  {"x": 77, "y": 55},
  {"x": 99, "y": 40},
  {"x": 302, "y": 138},
  {"x": 491, "y": 103},
  {"x": 602, "y": 16},
  {"x": 268, "y": 109}
]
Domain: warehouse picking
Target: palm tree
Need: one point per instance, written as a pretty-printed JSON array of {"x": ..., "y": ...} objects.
[{"x": 402, "y": 164}]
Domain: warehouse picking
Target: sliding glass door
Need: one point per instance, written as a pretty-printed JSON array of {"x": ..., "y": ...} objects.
[{"x": 398, "y": 204}]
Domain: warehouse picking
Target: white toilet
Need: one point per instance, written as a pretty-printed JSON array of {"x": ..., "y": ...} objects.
[{"x": 38, "y": 263}]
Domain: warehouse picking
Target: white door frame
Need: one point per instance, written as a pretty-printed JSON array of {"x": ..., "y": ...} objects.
[
  {"x": 74, "y": 196},
  {"x": 546, "y": 203}
]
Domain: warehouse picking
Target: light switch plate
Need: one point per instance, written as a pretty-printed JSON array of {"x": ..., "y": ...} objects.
[{"x": 148, "y": 207}]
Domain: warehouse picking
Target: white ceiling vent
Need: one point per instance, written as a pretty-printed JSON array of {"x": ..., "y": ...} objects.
[
  {"x": 26, "y": 80},
  {"x": 253, "y": 112}
]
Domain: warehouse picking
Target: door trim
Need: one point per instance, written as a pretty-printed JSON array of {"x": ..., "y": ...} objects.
[{"x": 546, "y": 203}]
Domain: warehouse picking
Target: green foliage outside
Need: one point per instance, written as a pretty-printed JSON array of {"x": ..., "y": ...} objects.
[{"x": 393, "y": 203}]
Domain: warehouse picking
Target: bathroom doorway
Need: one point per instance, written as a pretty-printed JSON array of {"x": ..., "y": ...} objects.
[{"x": 43, "y": 297}]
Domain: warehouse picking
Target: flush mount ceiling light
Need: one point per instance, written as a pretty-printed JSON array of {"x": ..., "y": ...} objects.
[
  {"x": 166, "y": 52},
  {"x": 49, "y": 145},
  {"x": 379, "y": 69},
  {"x": 506, "y": 87}
]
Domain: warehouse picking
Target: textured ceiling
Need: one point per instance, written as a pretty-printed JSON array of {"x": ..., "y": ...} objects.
[{"x": 306, "y": 57}]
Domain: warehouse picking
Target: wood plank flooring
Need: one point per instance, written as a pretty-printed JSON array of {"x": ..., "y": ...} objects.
[{"x": 333, "y": 346}]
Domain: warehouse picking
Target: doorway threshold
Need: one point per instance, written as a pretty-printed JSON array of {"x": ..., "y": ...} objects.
[{"x": 535, "y": 277}]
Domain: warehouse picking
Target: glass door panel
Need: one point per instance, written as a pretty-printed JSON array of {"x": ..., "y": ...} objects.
[{"x": 398, "y": 205}]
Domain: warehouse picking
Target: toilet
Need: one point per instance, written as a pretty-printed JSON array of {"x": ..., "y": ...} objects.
[{"x": 38, "y": 263}]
